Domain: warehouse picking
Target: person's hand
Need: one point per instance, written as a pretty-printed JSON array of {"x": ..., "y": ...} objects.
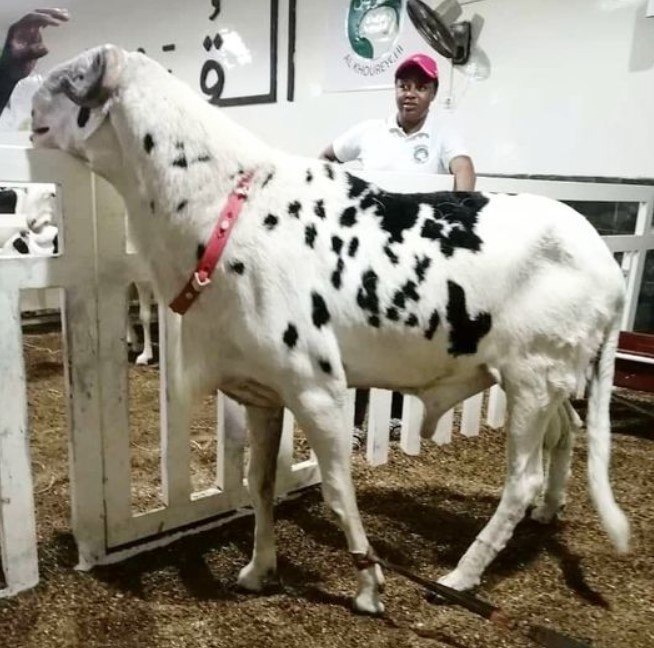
[{"x": 24, "y": 45}]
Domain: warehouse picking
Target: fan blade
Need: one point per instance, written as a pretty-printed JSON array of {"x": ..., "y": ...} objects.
[{"x": 431, "y": 28}]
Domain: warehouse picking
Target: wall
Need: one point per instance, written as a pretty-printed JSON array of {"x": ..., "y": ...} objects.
[{"x": 569, "y": 87}]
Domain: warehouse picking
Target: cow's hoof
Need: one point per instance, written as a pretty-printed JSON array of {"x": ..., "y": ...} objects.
[
  {"x": 144, "y": 359},
  {"x": 367, "y": 603},
  {"x": 458, "y": 581},
  {"x": 545, "y": 513},
  {"x": 255, "y": 580}
]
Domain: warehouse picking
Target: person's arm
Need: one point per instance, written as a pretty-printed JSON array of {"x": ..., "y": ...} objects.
[
  {"x": 7, "y": 85},
  {"x": 23, "y": 47},
  {"x": 463, "y": 170},
  {"x": 346, "y": 147}
]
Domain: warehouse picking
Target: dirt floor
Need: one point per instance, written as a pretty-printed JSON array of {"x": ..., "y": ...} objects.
[{"x": 421, "y": 512}]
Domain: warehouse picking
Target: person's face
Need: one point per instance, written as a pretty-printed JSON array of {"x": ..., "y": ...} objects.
[{"x": 414, "y": 92}]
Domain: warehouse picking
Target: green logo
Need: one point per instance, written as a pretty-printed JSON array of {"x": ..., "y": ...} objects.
[{"x": 373, "y": 26}]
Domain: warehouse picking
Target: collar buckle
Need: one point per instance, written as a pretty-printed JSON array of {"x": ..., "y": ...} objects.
[{"x": 200, "y": 280}]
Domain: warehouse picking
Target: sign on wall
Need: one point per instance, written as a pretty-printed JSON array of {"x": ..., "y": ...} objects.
[
  {"x": 367, "y": 39},
  {"x": 221, "y": 50},
  {"x": 241, "y": 63}
]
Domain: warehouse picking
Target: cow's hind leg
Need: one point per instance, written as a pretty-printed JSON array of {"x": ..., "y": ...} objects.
[
  {"x": 321, "y": 414},
  {"x": 528, "y": 418},
  {"x": 145, "y": 315},
  {"x": 557, "y": 449},
  {"x": 265, "y": 429}
]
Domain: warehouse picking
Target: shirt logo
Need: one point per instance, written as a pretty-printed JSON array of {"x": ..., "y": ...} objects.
[{"x": 420, "y": 154}]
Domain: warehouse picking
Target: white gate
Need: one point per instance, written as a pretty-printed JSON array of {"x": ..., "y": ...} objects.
[{"x": 93, "y": 273}]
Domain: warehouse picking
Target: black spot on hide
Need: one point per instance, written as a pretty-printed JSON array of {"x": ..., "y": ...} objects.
[
  {"x": 319, "y": 209},
  {"x": 367, "y": 294},
  {"x": 269, "y": 177},
  {"x": 452, "y": 220},
  {"x": 329, "y": 170},
  {"x": 271, "y": 221},
  {"x": 337, "y": 274},
  {"x": 374, "y": 320},
  {"x": 394, "y": 259},
  {"x": 310, "y": 233},
  {"x": 294, "y": 209},
  {"x": 337, "y": 244},
  {"x": 357, "y": 185},
  {"x": 465, "y": 333},
  {"x": 204, "y": 158},
  {"x": 182, "y": 205},
  {"x": 431, "y": 230},
  {"x": 399, "y": 299},
  {"x": 434, "y": 321},
  {"x": 319, "y": 314},
  {"x": 148, "y": 143},
  {"x": 309, "y": 175},
  {"x": 353, "y": 247},
  {"x": 238, "y": 267},
  {"x": 412, "y": 320},
  {"x": 349, "y": 217},
  {"x": 392, "y": 314},
  {"x": 83, "y": 116},
  {"x": 290, "y": 336},
  {"x": 409, "y": 290},
  {"x": 181, "y": 162},
  {"x": 367, "y": 201},
  {"x": 20, "y": 246},
  {"x": 421, "y": 267},
  {"x": 397, "y": 212},
  {"x": 55, "y": 244}
]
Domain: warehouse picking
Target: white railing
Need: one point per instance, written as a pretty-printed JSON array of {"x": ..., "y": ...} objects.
[{"x": 93, "y": 274}]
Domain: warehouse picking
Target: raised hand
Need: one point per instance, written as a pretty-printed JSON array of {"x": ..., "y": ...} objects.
[{"x": 24, "y": 44}]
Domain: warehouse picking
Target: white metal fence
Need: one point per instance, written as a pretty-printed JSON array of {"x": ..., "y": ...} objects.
[{"x": 93, "y": 272}]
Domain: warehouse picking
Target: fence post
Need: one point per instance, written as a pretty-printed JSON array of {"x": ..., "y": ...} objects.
[
  {"x": 412, "y": 411},
  {"x": 17, "y": 519},
  {"x": 471, "y": 415},
  {"x": 378, "y": 421},
  {"x": 443, "y": 432}
]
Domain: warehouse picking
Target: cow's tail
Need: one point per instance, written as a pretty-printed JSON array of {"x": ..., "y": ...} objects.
[{"x": 598, "y": 427}]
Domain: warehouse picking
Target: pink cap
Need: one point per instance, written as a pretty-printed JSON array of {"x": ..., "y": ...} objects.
[{"x": 421, "y": 61}]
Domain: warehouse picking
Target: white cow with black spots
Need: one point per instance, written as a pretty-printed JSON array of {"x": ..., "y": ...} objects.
[
  {"x": 40, "y": 236},
  {"x": 327, "y": 282}
]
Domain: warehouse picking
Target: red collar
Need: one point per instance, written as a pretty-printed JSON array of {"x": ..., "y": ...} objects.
[{"x": 201, "y": 277}]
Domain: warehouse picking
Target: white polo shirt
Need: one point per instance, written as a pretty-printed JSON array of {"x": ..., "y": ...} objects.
[
  {"x": 381, "y": 145},
  {"x": 17, "y": 113}
]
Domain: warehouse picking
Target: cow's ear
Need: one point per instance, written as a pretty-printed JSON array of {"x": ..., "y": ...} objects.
[{"x": 91, "y": 78}]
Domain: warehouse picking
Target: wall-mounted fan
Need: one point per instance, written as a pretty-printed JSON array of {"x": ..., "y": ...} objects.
[{"x": 437, "y": 27}]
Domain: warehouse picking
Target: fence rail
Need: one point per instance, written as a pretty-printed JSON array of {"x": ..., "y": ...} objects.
[{"x": 92, "y": 275}]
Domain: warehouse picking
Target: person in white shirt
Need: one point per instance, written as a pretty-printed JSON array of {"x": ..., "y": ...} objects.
[
  {"x": 410, "y": 141},
  {"x": 23, "y": 48}
]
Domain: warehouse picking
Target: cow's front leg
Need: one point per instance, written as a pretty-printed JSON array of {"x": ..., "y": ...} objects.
[
  {"x": 322, "y": 417},
  {"x": 265, "y": 429}
]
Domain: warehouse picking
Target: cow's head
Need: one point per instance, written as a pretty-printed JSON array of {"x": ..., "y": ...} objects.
[
  {"x": 40, "y": 207},
  {"x": 73, "y": 101}
]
